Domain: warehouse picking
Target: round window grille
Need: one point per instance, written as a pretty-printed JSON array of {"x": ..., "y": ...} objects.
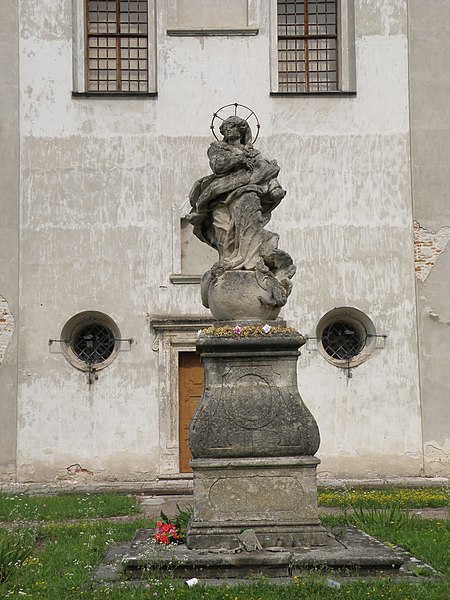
[
  {"x": 346, "y": 337},
  {"x": 343, "y": 341},
  {"x": 94, "y": 344},
  {"x": 90, "y": 340}
]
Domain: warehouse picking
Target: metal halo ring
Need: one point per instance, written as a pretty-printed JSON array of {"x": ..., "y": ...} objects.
[{"x": 234, "y": 112}]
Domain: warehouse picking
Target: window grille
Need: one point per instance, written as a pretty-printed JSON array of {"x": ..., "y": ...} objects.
[
  {"x": 93, "y": 344},
  {"x": 342, "y": 340},
  {"x": 307, "y": 45},
  {"x": 117, "y": 45}
]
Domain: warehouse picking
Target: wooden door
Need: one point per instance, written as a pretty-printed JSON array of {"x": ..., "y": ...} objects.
[{"x": 190, "y": 372}]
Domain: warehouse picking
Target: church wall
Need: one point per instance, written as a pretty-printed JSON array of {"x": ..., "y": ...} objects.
[
  {"x": 104, "y": 182},
  {"x": 430, "y": 128},
  {"x": 9, "y": 222}
]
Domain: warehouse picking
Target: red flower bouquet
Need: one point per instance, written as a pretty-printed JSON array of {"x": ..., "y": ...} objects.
[{"x": 172, "y": 531}]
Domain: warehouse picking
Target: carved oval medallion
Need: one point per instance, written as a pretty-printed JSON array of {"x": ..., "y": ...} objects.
[{"x": 250, "y": 402}]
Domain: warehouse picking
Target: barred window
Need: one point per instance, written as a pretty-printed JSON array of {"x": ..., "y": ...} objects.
[
  {"x": 94, "y": 343},
  {"x": 342, "y": 340},
  {"x": 117, "y": 46},
  {"x": 307, "y": 34},
  {"x": 346, "y": 337},
  {"x": 90, "y": 339}
]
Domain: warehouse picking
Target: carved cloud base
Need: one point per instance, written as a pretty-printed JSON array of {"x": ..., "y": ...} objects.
[
  {"x": 275, "y": 497},
  {"x": 239, "y": 295}
]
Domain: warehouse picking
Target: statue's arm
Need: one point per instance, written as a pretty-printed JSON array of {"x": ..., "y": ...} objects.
[{"x": 223, "y": 159}]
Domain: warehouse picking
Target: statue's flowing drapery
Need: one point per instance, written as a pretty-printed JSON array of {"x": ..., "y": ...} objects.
[{"x": 230, "y": 209}]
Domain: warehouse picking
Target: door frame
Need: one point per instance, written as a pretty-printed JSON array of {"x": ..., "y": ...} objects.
[{"x": 171, "y": 336}]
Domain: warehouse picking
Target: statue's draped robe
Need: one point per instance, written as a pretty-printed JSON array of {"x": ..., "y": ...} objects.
[{"x": 230, "y": 208}]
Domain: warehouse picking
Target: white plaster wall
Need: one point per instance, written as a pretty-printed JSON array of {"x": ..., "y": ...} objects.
[
  {"x": 351, "y": 226},
  {"x": 101, "y": 179},
  {"x": 9, "y": 224},
  {"x": 430, "y": 129}
]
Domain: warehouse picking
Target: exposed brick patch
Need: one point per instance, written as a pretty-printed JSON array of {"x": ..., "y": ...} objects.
[
  {"x": 427, "y": 248},
  {"x": 6, "y": 327}
]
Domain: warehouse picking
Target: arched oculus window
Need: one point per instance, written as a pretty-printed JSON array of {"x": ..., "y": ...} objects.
[
  {"x": 342, "y": 340},
  {"x": 90, "y": 340},
  {"x": 346, "y": 336},
  {"x": 94, "y": 343}
]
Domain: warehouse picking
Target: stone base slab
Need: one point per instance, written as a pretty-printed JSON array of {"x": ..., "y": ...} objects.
[
  {"x": 282, "y": 536},
  {"x": 275, "y": 497},
  {"x": 350, "y": 553}
]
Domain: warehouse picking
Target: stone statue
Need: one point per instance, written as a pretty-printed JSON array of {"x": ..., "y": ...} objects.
[
  {"x": 230, "y": 208},
  {"x": 252, "y": 438}
]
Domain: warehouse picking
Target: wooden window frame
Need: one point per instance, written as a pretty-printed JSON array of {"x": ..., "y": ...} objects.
[
  {"x": 345, "y": 53},
  {"x": 80, "y": 53}
]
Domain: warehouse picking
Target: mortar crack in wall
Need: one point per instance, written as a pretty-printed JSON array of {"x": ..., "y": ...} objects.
[
  {"x": 428, "y": 245},
  {"x": 6, "y": 327}
]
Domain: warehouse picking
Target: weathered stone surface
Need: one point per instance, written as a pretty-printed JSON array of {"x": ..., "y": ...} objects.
[
  {"x": 263, "y": 490},
  {"x": 238, "y": 295},
  {"x": 252, "y": 440},
  {"x": 204, "y": 536},
  {"x": 356, "y": 550},
  {"x": 230, "y": 209},
  {"x": 249, "y": 540},
  {"x": 350, "y": 551},
  {"x": 275, "y": 497},
  {"x": 251, "y": 405}
]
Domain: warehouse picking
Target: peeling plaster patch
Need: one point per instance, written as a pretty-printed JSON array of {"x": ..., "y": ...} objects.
[
  {"x": 6, "y": 327},
  {"x": 51, "y": 18},
  {"x": 381, "y": 17},
  {"x": 75, "y": 472},
  {"x": 427, "y": 248},
  {"x": 437, "y": 458}
]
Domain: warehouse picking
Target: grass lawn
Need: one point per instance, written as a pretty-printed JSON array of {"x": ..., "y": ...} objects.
[
  {"x": 55, "y": 559},
  {"x": 21, "y": 507},
  {"x": 432, "y": 497}
]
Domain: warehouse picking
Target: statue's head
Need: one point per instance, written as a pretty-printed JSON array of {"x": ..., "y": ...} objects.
[{"x": 233, "y": 123}]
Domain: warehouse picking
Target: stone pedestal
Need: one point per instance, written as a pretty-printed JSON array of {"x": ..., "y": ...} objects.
[
  {"x": 253, "y": 442},
  {"x": 275, "y": 497}
]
